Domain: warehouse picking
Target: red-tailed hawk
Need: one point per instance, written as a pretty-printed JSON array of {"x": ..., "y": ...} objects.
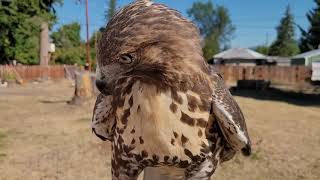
[{"x": 159, "y": 104}]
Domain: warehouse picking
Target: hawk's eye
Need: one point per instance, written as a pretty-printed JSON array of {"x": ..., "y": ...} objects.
[{"x": 126, "y": 59}]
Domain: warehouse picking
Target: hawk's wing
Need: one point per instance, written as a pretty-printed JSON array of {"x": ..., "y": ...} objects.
[
  {"x": 103, "y": 120},
  {"x": 229, "y": 117}
]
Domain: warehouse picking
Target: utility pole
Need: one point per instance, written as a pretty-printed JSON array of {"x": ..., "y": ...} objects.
[
  {"x": 267, "y": 39},
  {"x": 96, "y": 45},
  {"x": 88, "y": 44}
]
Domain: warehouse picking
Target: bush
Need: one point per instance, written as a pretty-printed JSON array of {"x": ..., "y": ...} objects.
[{"x": 73, "y": 55}]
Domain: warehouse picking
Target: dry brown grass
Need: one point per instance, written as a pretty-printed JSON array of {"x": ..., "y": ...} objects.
[{"x": 44, "y": 138}]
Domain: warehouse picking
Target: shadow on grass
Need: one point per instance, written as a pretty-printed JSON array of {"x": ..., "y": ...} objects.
[
  {"x": 273, "y": 94},
  {"x": 3, "y": 155},
  {"x": 3, "y": 136},
  {"x": 84, "y": 119},
  {"x": 53, "y": 101}
]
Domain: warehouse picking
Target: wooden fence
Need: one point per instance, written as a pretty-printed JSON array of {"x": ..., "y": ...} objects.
[
  {"x": 29, "y": 73},
  {"x": 276, "y": 75}
]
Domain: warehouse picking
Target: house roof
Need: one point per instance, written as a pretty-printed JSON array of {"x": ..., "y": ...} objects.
[
  {"x": 307, "y": 54},
  {"x": 239, "y": 53}
]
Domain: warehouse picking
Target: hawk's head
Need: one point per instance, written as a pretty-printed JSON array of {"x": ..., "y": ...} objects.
[{"x": 149, "y": 42}]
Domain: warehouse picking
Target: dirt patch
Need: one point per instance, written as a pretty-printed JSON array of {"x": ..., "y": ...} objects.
[{"x": 47, "y": 139}]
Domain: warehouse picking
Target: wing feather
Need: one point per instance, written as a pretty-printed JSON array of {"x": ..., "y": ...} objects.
[{"x": 229, "y": 117}]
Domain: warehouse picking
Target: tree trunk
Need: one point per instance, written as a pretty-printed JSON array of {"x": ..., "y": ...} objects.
[
  {"x": 44, "y": 44},
  {"x": 84, "y": 88}
]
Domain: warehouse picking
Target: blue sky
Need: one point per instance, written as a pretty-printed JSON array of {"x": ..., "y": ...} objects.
[{"x": 255, "y": 20}]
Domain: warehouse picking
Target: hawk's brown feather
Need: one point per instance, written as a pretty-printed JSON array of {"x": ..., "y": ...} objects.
[{"x": 162, "y": 107}]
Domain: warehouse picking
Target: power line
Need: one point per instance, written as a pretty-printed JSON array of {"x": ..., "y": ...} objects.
[
  {"x": 255, "y": 27},
  {"x": 271, "y": 18}
]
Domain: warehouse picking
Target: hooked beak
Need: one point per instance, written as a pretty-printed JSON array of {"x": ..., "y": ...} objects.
[
  {"x": 99, "y": 136},
  {"x": 103, "y": 87}
]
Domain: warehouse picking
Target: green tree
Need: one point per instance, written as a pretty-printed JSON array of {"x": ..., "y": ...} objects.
[
  {"x": 70, "y": 49},
  {"x": 71, "y": 55},
  {"x": 67, "y": 36},
  {"x": 263, "y": 49},
  {"x": 20, "y": 23},
  {"x": 95, "y": 38},
  {"x": 311, "y": 38},
  {"x": 214, "y": 24},
  {"x": 93, "y": 43},
  {"x": 285, "y": 44},
  {"x": 111, "y": 10}
]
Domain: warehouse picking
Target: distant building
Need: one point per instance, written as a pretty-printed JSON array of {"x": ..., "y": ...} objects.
[
  {"x": 315, "y": 71},
  {"x": 306, "y": 58},
  {"x": 279, "y": 61},
  {"x": 240, "y": 56}
]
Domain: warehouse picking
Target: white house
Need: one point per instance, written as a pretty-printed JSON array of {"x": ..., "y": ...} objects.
[
  {"x": 240, "y": 56},
  {"x": 306, "y": 58}
]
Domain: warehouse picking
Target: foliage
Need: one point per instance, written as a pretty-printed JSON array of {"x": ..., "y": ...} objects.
[
  {"x": 211, "y": 46},
  {"x": 67, "y": 36},
  {"x": 285, "y": 44},
  {"x": 311, "y": 38},
  {"x": 70, "y": 49},
  {"x": 93, "y": 43},
  {"x": 263, "y": 49},
  {"x": 9, "y": 76},
  {"x": 74, "y": 55},
  {"x": 95, "y": 38},
  {"x": 214, "y": 24},
  {"x": 71, "y": 55},
  {"x": 111, "y": 9},
  {"x": 20, "y": 23}
]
